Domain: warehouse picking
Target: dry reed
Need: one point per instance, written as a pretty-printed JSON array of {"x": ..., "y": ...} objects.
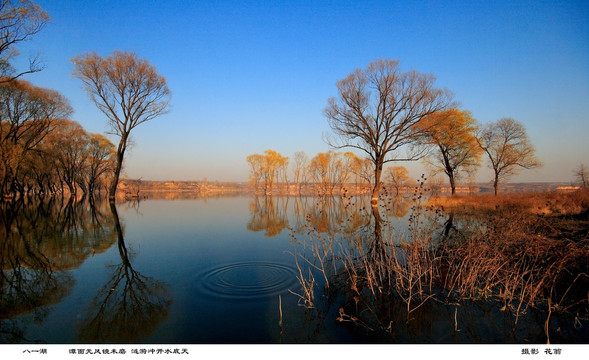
[{"x": 517, "y": 258}]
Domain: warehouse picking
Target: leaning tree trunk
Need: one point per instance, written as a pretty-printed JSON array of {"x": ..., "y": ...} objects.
[
  {"x": 452, "y": 182},
  {"x": 115, "y": 181},
  {"x": 119, "y": 165},
  {"x": 448, "y": 170}
]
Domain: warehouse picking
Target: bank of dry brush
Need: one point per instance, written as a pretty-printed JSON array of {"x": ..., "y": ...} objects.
[{"x": 520, "y": 260}]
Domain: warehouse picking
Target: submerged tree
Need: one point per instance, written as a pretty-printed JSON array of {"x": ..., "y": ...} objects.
[
  {"x": 329, "y": 171},
  {"x": 300, "y": 170},
  {"x": 361, "y": 168},
  {"x": 27, "y": 113},
  {"x": 508, "y": 148},
  {"x": 398, "y": 176},
  {"x": 452, "y": 134},
  {"x": 68, "y": 146},
  {"x": 128, "y": 90},
  {"x": 377, "y": 110},
  {"x": 100, "y": 161},
  {"x": 267, "y": 169}
]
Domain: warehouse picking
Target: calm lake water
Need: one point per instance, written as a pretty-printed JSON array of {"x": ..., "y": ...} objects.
[{"x": 216, "y": 270}]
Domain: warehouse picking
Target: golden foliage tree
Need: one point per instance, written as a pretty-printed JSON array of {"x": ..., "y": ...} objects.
[
  {"x": 256, "y": 163},
  {"x": 267, "y": 169},
  {"x": 125, "y": 88},
  {"x": 398, "y": 176},
  {"x": 70, "y": 156},
  {"x": 100, "y": 161},
  {"x": 27, "y": 113},
  {"x": 377, "y": 109},
  {"x": 361, "y": 169},
  {"x": 451, "y": 133},
  {"x": 67, "y": 144},
  {"x": 329, "y": 171}
]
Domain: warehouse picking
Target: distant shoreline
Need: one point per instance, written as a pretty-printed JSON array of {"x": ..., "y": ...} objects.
[{"x": 134, "y": 186}]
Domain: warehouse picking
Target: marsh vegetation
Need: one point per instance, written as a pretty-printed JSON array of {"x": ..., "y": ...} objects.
[{"x": 521, "y": 258}]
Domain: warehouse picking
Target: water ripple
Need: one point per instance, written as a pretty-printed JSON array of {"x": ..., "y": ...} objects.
[{"x": 249, "y": 280}]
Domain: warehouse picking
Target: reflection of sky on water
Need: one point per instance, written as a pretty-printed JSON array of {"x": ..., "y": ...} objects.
[
  {"x": 177, "y": 243},
  {"x": 205, "y": 271},
  {"x": 195, "y": 233}
]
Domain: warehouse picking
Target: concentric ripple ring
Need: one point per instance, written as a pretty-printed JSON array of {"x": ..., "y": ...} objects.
[{"x": 250, "y": 280}]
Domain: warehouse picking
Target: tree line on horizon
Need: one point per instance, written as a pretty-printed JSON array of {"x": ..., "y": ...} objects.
[
  {"x": 450, "y": 142},
  {"x": 328, "y": 173}
]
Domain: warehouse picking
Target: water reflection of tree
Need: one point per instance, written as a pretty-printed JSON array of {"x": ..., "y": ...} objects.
[
  {"x": 129, "y": 306},
  {"x": 29, "y": 281},
  {"x": 397, "y": 206},
  {"x": 269, "y": 214},
  {"x": 38, "y": 242},
  {"x": 324, "y": 214},
  {"x": 327, "y": 214}
]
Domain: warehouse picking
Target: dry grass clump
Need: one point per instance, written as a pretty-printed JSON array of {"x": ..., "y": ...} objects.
[
  {"x": 519, "y": 263},
  {"x": 552, "y": 203}
]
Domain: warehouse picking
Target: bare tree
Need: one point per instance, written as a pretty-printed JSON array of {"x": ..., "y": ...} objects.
[
  {"x": 582, "y": 175},
  {"x": 300, "y": 170},
  {"x": 256, "y": 163},
  {"x": 377, "y": 110},
  {"x": 19, "y": 20},
  {"x": 361, "y": 168},
  {"x": 128, "y": 90},
  {"x": 508, "y": 148},
  {"x": 398, "y": 176}
]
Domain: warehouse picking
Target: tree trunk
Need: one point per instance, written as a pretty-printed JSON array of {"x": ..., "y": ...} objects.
[
  {"x": 448, "y": 225},
  {"x": 452, "y": 182},
  {"x": 91, "y": 187},
  {"x": 119, "y": 165},
  {"x": 72, "y": 189},
  {"x": 448, "y": 169},
  {"x": 115, "y": 181},
  {"x": 377, "y": 183},
  {"x": 496, "y": 183}
]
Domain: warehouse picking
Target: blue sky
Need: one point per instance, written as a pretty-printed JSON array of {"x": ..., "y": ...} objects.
[{"x": 247, "y": 76}]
